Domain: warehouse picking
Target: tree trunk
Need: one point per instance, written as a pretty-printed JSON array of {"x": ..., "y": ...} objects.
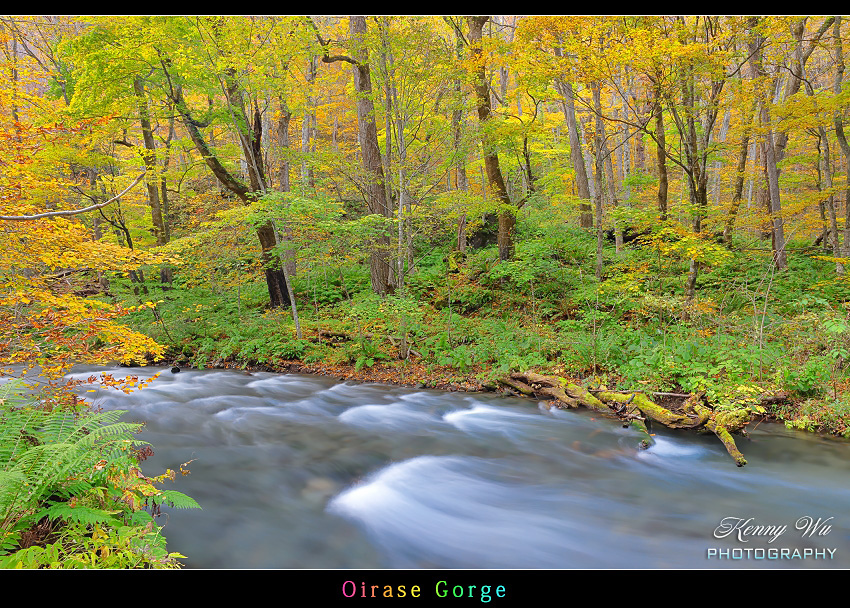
[
  {"x": 597, "y": 177},
  {"x": 826, "y": 172},
  {"x": 576, "y": 155},
  {"x": 773, "y": 151},
  {"x": 275, "y": 279},
  {"x": 624, "y": 160},
  {"x": 461, "y": 180},
  {"x": 376, "y": 200},
  {"x": 611, "y": 186},
  {"x": 308, "y": 121},
  {"x": 149, "y": 157},
  {"x": 779, "y": 256},
  {"x": 839, "y": 131},
  {"x": 661, "y": 156},
  {"x": 507, "y": 219},
  {"x": 738, "y": 187},
  {"x": 717, "y": 165},
  {"x": 386, "y": 59},
  {"x": 284, "y": 140}
]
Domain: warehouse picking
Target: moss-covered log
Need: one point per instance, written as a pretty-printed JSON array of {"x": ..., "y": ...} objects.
[
  {"x": 723, "y": 434},
  {"x": 639, "y": 425},
  {"x": 634, "y": 408},
  {"x": 650, "y": 409},
  {"x": 552, "y": 387},
  {"x": 522, "y": 387}
]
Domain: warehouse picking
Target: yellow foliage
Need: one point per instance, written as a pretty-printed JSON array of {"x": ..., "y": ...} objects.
[{"x": 38, "y": 323}]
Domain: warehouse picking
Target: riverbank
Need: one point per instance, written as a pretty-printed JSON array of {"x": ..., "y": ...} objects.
[
  {"x": 793, "y": 413},
  {"x": 411, "y": 375},
  {"x": 463, "y": 322}
]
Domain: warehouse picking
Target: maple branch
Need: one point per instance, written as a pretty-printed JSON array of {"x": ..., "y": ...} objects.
[{"x": 38, "y": 216}]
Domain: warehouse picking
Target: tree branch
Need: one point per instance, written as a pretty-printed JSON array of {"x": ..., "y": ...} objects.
[
  {"x": 38, "y": 216},
  {"x": 324, "y": 43}
]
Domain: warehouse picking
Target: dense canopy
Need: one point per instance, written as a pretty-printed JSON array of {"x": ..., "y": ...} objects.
[{"x": 659, "y": 200}]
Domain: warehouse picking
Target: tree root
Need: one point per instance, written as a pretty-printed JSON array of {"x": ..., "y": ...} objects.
[{"x": 634, "y": 408}]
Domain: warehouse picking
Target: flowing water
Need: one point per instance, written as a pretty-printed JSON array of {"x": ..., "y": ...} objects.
[{"x": 296, "y": 471}]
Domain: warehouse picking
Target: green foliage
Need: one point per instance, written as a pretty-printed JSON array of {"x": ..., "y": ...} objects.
[
  {"x": 363, "y": 353},
  {"x": 808, "y": 380},
  {"x": 503, "y": 346},
  {"x": 688, "y": 361},
  {"x": 640, "y": 180},
  {"x": 76, "y": 472}
]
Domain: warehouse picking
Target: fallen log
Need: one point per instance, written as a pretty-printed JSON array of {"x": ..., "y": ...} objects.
[
  {"x": 540, "y": 391},
  {"x": 635, "y": 407},
  {"x": 780, "y": 397},
  {"x": 518, "y": 386}
]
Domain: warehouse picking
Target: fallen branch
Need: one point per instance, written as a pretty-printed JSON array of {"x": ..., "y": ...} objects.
[
  {"x": 654, "y": 394},
  {"x": 65, "y": 273},
  {"x": 635, "y": 407},
  {"x": 762, "y": 400}
]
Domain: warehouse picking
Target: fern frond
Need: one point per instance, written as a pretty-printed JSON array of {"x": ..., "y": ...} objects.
[
  {"x": 178, "y": 500},
  {"x": 78, "y": 514}
]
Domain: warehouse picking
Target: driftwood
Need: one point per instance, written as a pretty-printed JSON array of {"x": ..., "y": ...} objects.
[{"x": 635, "y": 408}]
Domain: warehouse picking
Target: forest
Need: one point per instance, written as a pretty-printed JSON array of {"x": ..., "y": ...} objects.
[{"x": 647, "y": 216}]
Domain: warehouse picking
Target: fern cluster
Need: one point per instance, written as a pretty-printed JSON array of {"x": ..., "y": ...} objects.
[{"x": 74, "y": 476}]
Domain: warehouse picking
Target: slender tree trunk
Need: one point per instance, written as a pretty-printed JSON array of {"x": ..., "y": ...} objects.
[
  {"x": 611, "y": 187},
  {"x": 566, "y": 90},
  {"x": 166, "y": 162},
  {"x": 839, "y": 131},
  {"x": 763, "y": 195},
  {"x": 718, "y": 165},
  {"x": 149, "y": 157},
  {"x": 661, "y": 156},
  {"x": 740, "y": 171},
  {"x": 461, "y": 181},
  {"x": 773, "y": 152},
  {"x": 289, "y": 259},
  {"x": 640, "y": 146},
  {"x": 779, "y": 255},
  {"x": 826, "y": 172},
  {"x": 624, "y": 157},
  {"x": 157, "y": 193},
  {"x": 598, "y": 179},
  {"x": 588, "y": 159},
  {"x": 284, "y": 142},
  {"x": 308, "y": 120}
]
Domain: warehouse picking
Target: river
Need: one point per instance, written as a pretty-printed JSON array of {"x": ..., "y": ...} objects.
[{"x": 297, "y": 471}]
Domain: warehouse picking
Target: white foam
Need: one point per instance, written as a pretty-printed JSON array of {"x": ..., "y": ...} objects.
[{"x": 396, "y": 416}]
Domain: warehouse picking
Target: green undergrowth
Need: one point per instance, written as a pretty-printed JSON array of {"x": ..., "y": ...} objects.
[
  {"x": 71, "y": 491},
  {"x": 749, "y": 332}
]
